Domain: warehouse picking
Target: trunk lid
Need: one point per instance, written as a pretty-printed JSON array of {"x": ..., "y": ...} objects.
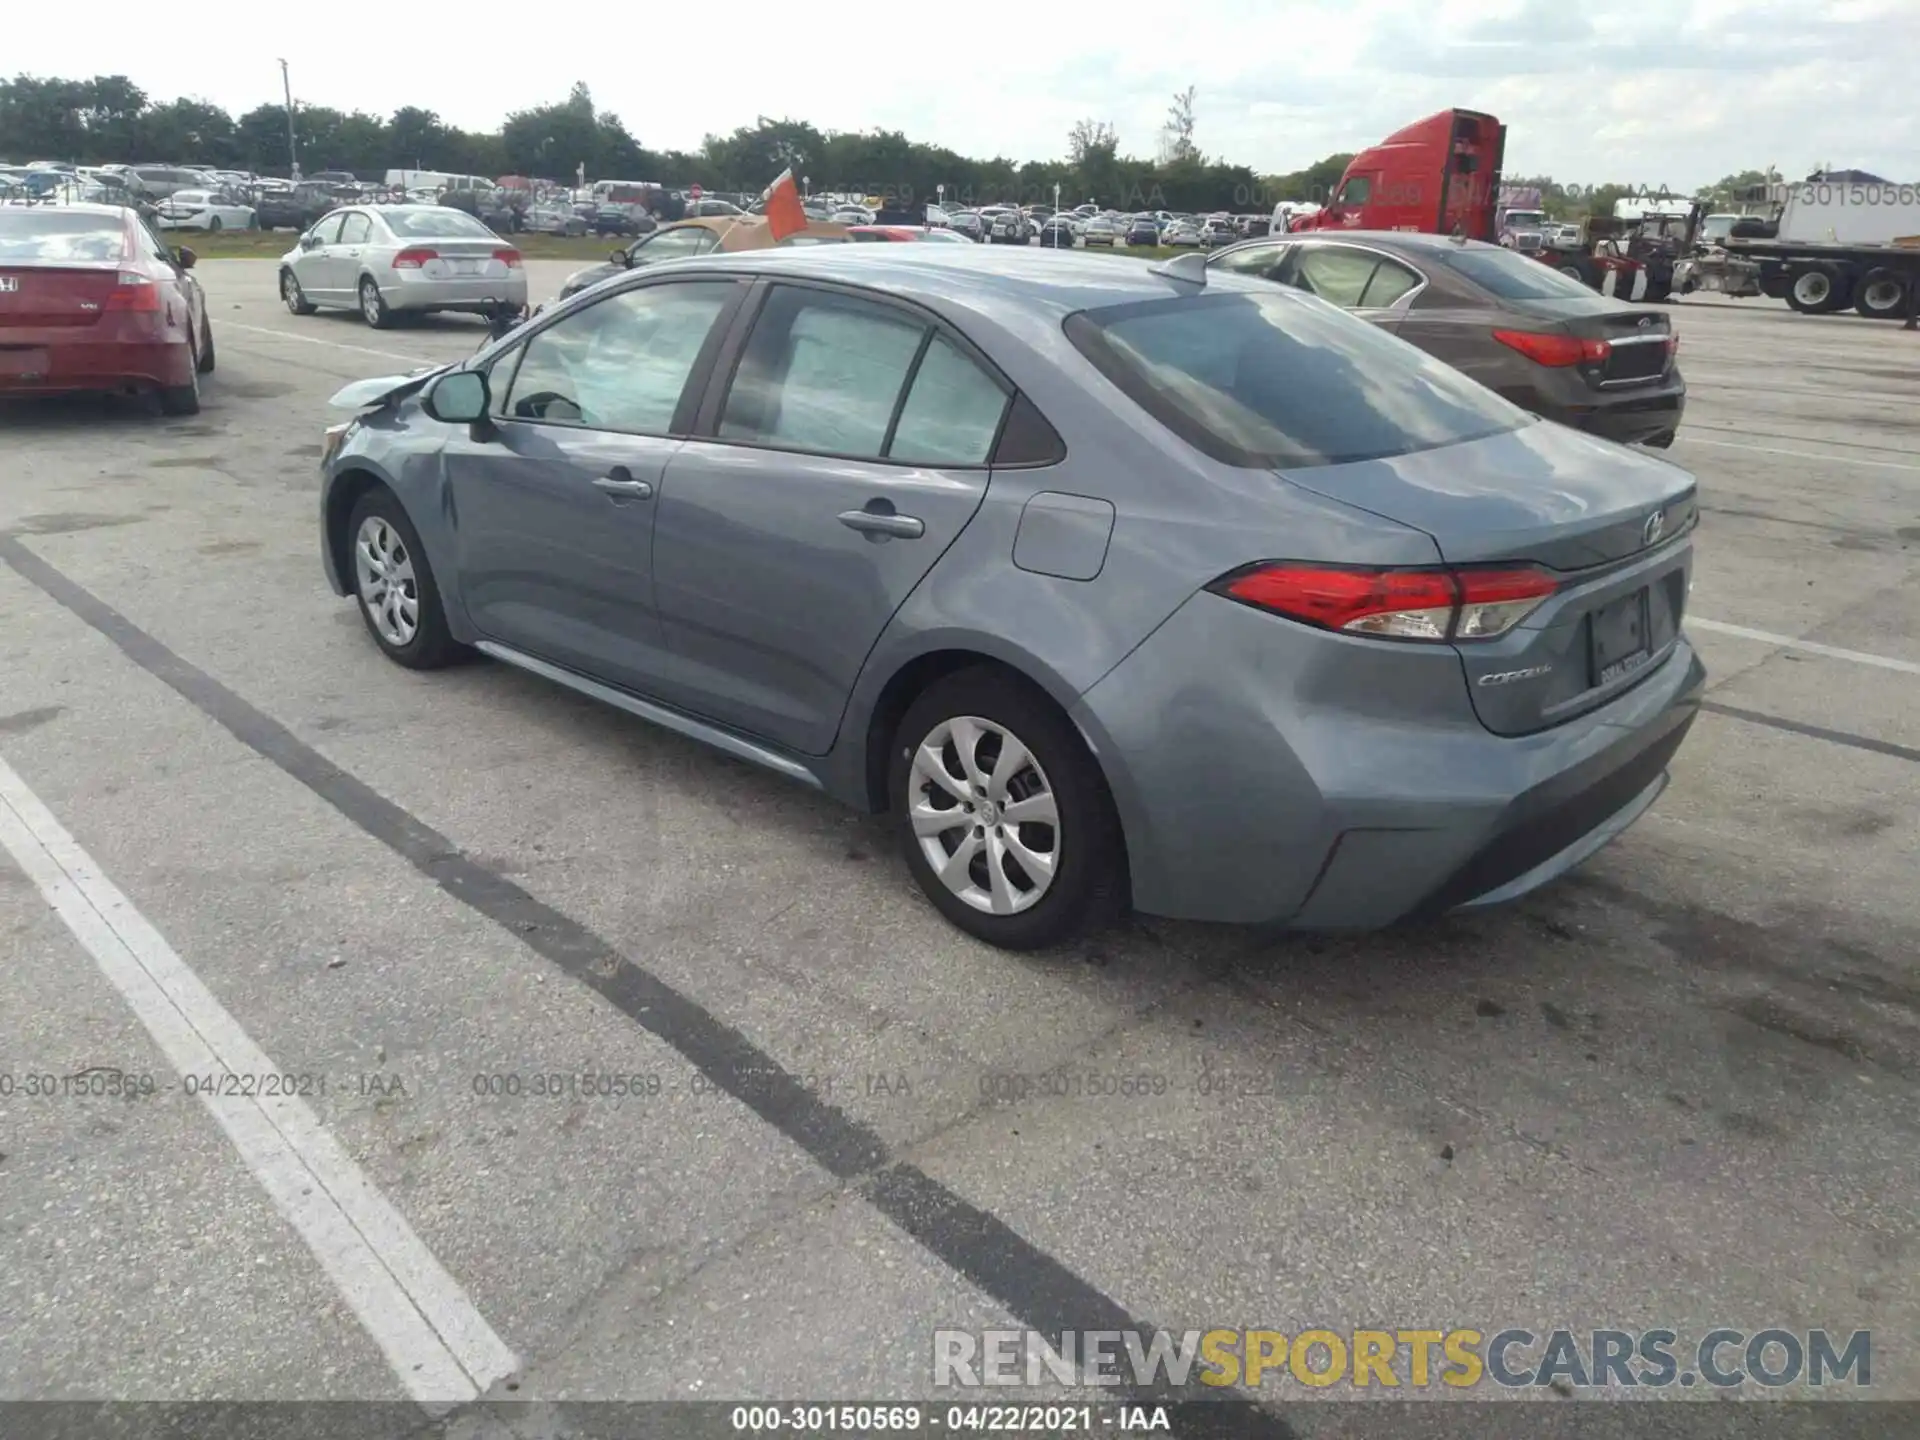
[
  {"x": 1581, "y": 507},
  {"x": 41, "y": 296},
  {"x": 1640, "y": 340}
]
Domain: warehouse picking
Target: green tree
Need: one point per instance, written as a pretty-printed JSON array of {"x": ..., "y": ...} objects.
[{"x": 191, "y": 131}]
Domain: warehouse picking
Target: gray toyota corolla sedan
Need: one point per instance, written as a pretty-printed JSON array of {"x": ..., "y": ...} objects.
[{"x": 1114, "y": 583}]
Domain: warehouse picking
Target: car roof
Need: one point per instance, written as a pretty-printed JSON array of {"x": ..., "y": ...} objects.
[
  {"x": 80, "y": 207},
  {"x": 980, "y": 277}
]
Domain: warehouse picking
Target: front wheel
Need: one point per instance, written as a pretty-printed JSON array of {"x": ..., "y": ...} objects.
[
  {"x": 394, "y": 586},
  {"x": 373, "y": 306},
  {"x": 294, "y": 297},
  {"x": 1003, "y": 815}
]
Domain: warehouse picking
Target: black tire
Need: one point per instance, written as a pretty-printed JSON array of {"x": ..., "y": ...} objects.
[
  {"x": 207, "y": 357},
  {"x": 431, "y": 646},
  {"x": 373, "y": 306},
  {"x": 1090, "y": 886},
  {"x": 1815, "y": 290},
  {"x": 215, "y": 225},
  {"x": 1578, "y": 267},
  {"x": 293, "y": 296},
  {"x": 1881, "y": 294},
  {"x": 181, "y": 399}
]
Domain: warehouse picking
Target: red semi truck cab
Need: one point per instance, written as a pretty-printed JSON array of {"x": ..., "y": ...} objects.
[{"x": 1432, "y": 176}]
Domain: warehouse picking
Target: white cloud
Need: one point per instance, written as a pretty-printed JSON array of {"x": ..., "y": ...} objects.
[{"x": 1598, "y": 90}]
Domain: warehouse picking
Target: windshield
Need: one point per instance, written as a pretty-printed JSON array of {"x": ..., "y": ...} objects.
[
  {"x": 1526, "y": 217},
  {"x": 433, "y": 221},
  {"x": 1515, "y": 277},
  {"x": 1282, "y": 380},
  {"x": 61, "y": 235}
]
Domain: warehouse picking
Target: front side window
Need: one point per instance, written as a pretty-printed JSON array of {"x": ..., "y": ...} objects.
[
  {"x": 621, "y": 363},
  {"x": 822, "y": 372},
  {"x": 1357, "y": 191},
  {"x": 1272, "y": 380}
]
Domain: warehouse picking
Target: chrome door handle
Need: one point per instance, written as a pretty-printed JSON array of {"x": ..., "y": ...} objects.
[
  {"x": 883, "y": 523},
  {"x": 623, "y": 484}
]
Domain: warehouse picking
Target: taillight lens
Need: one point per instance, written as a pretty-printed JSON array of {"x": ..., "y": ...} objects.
[
  {"x": 413, "y": 259},
  {"x": 135, "y": 293},
  {"x": 1554, "y": 350},
  {"x": 1426, "y": 605},
  {"x": 1673, "y": 345},
  {"x": 508, "y": 258}
]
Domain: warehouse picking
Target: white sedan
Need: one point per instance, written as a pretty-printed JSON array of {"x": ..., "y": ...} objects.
[{"x": 204, "y": 210}]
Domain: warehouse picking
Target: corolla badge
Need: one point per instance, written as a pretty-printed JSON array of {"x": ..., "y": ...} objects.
[
  {"x": 1655, "y": 527},
  {"x": 1512, "y": 677}
]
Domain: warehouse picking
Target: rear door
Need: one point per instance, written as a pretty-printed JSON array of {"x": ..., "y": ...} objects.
[
  {"x": 343, "y": 257},
  {"x": 846, "y": 449}
]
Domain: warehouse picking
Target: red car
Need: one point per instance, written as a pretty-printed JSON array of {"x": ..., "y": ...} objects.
[{"x": 92, "y": 299}]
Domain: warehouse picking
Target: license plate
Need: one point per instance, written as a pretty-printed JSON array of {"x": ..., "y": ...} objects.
[
  {"x": 1620, "y": 637},
  {"x": 466, "y": 267},
  {"x": 23, "y": 364}
]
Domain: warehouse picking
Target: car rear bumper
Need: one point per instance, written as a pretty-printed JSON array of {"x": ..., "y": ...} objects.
[
  {"x": 68, "y": 364},
  {"x": 1629, "y": 416},
  {"x": 1268, "y": 773},
  {"x": 405, "y": 291}
]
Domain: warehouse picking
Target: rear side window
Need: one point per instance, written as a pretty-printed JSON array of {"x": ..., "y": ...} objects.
[
  {"x": 1279, "y": 380},
  {"x": 60, "y": 235},
  {"x": 822, "y": 372},
  {"x": 357, "y": 229},
  {"x": 952, "y": 411}
]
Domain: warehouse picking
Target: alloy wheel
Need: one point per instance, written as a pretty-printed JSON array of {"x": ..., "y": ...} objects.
[
  {"x": 985, "y": 815},
  {"x": 383, "y": 570}
]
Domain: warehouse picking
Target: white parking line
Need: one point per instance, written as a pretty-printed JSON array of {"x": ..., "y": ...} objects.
[
  {"x": 1824, "y": 457},
  {"x": 439, "y": 1345},
  {"x": 1787, "y": 642},
  {"x": 330, "y": 344}
]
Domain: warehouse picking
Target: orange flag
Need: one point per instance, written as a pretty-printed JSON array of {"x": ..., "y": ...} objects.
[{"x": 785, "y": 214}]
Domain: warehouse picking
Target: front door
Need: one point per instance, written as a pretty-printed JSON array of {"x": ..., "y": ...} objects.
[
  {"x": 848, "y": 452},
  {"x": 554, "y": 512}
]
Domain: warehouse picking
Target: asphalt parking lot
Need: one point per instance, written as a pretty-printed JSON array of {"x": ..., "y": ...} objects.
[{"x": 1677, "y": 1089}]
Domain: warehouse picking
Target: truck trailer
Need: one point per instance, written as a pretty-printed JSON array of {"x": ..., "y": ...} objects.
[{"x": 1831, "y": 245}]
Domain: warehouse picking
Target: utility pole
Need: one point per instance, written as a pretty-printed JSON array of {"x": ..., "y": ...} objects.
[{"x": 293, "y": 143}]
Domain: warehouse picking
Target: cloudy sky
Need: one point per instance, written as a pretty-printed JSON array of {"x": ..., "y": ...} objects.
[{"x": 1652, "y": 94}]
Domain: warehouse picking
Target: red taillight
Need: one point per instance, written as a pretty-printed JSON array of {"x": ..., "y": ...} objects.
[
  {"x": 136, "y": 293},
  {"x": 414, "y": 258},
  {"x": 1555, "y": 350},
  {"x": 508, "y": 258},
  {"x": 1673, "y": 345},
  {"x": 1431, "y": 605}
]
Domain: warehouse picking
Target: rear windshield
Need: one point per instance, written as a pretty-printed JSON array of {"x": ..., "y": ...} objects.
[
  {"x": 1516, "y": 277},
  {"x": 432, "y": 221},
  {"x": 61, "y": 235},
  {"x": 1285, "y": 381}
]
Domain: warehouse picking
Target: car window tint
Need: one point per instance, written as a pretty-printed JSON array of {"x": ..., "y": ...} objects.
[
  {"x": 1335, "y": 273},
  {"x": 821, "y": 372},
  {"x": 1515, "y": 277},
  {"x": 952, "y": 412},
  {"x": 1272, "y": 380},
  {"x": 619, "y": 364},
  {"x": 1261, "y": 260},
  {"x": 1391, "y": 281},
  {"x": 672, "y": 244},
  {"x": 357, "y": 229}
]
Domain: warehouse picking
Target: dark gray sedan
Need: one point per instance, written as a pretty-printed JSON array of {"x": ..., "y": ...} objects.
[
  {"x": 1544, "y": 340},
  {"x": 1110, "y": 582}
]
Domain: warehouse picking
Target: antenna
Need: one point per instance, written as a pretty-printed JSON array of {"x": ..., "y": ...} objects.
[{"x": 1191, "y": 268}]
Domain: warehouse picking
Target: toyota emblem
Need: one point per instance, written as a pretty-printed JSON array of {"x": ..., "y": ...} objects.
[{"x": 1656, "y": 526}]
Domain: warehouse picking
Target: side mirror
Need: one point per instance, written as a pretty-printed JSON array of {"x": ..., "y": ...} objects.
[
  {"x": 620, "y": 258},
  {"x": 184, "y": 258},
  {"x": 309, "y": 242},
  {"x": 460, "y": 397}
]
